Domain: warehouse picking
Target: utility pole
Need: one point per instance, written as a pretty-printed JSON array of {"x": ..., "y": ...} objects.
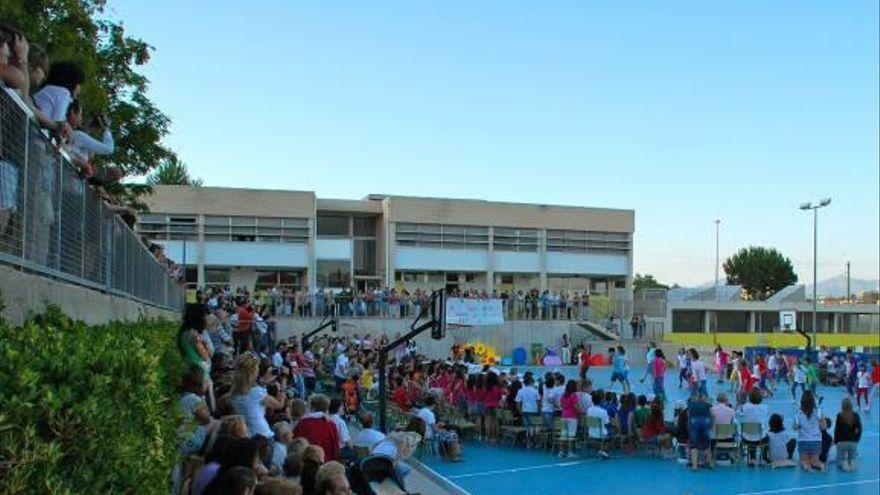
[{"x": 848, "y": 293}]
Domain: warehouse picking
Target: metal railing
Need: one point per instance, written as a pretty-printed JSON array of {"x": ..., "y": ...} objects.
[{"x": 54, "y": 224}]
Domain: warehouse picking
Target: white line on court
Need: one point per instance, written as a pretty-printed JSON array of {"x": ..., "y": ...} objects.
[
  {"x": 515, "y": 470},
  {"x": 812, "y": 487}
]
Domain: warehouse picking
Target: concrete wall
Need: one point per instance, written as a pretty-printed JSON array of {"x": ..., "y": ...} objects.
[
  {"x": 25, "y": 294},
  {"x": 504, "y": 338}
]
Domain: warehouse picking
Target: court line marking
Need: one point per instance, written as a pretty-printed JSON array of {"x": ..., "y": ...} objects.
[
  {"x": 445, "y": 479},
  {"x": 812, "y": 487},
  {"x": 515, "y": 470}
]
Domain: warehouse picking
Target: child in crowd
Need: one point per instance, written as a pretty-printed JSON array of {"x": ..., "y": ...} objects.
[
  {"x": 627, "y": 420},
  {"x": 780, "y": 444},
  {"x": 642, "y": 411},
  {"x": 847, "y": 433},
  {"x": 570, "y": 405},
  {"x": 863, "y": 385},
  {"x": 683, "y": 366},
  {"x": 654, "y": 430},
  {"x": 875, "y": 379},
  {"x": 809, "y": 435},
  {"x": 350, "y": 394},
  {"x": 528, "y": 399}
]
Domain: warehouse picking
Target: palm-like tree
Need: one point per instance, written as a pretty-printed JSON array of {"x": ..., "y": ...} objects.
[{"x": 172, "y": 172}]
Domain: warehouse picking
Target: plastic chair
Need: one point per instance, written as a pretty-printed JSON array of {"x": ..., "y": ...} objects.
[
  {"x": 559, "y": 439},
  {"x": 725, "y": 442},
  {"x": 754, "y": 430},
  {"x": 600, "y": 443}
]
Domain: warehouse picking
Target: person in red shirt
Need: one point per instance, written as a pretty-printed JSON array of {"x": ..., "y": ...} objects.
[
  {"x": 242, "y": 335},
  {"x": 491, "y": 403},
  {"x": 654, "y": 430},
  {"x": 318, "y": 428},
  {"x": 875, "y": 381},
  {"x": 746, "y": 381},
  {"x": 583, "y": 362},
  {"x": 399, "y": 396}
]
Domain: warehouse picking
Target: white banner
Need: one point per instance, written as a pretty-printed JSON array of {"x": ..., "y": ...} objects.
[{"x": 474, "y": 312}]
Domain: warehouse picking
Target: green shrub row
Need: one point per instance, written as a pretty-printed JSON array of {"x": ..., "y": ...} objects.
[{"x": 87, "y": 409}]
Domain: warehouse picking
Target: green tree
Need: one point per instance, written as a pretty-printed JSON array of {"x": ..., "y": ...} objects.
[
  {"x": 80, "y": 31},
  {"x": 646, "y": 281},
  {"x": 173, "y": 172},
  {"x": 760, "y": 271}
]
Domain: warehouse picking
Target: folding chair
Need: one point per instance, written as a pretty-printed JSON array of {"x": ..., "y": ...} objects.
[
  {"x": 559, "y": 439},
  {"x": 508, "y": 427},
  {"x": 754, "y": 430},
  {"x": 600, "y": 443},
  {"x": 726, "y": 443}
]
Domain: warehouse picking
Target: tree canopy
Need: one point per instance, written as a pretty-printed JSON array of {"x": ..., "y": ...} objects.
[
  {"x": 79, "y": 31},
  {"x": 760, "y": 271},
  {"x": 173, "y": 172},
  {"x": 646, "y": 281}
]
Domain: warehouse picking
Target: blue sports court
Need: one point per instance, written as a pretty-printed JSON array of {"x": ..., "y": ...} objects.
[{"x": 494, "y": 469}]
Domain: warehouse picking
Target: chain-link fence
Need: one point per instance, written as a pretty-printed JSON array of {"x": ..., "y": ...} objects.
[{"x": 53, "y": 223}]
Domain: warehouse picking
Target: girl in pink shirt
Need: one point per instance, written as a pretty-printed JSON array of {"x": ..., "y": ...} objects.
[
  {"x": 492, "y": 401},
  {"x": 570, "y": 403}
]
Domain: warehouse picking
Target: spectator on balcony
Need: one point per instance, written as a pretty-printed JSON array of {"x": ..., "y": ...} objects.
[
  {"x": 14, "y": 59},
  {"x": 62, "y": 86},
  {"x": 83, "y": 146}
]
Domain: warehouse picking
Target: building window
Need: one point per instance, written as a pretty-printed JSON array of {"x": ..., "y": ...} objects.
[
  {"x": 253, "y": 229},
  {"x": 452, "y": 277},
  {"x": 469, "y": 277},
  {"x": 334, "y": 274},
  {"x": 364, "y": 226},
  {"x": 507, "y": 279},
  {"x": 511, "y": 239},
  {"x": 432, "y": 235},
  {"x": 270, "y": 279},
  {"x": 168, "y": 227},
  {"x": 332, "y": 225},
  {"x": 581, "y": 242},
  {"x": 216, "y": 277},
  {"x": 364, "y": 257}
]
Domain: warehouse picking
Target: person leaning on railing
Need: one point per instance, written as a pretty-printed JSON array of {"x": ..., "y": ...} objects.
[{"x": 24, "y": 68}]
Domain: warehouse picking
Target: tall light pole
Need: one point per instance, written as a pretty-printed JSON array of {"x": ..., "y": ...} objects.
[
  {"x": 815, "y": 207},
  {"x": 717, "y": 233},
  {"x": 717, "y": 297}
]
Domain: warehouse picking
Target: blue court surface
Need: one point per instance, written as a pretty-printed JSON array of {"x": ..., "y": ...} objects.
[{"x": 494, "y": 469}]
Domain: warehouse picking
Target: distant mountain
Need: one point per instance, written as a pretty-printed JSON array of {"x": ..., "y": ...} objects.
[
  {"x": 832, "y": 287},
  {"x": 836, "y": 286}
]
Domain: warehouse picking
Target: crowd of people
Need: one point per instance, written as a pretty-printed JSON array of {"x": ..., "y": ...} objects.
[
  {"x": 287, "y": 417},
  {"x": 298, "y": 416},
  {"x": 391, "y": 303}
]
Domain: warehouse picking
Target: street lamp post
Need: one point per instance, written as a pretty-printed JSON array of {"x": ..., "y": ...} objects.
[
  {"x": 717, "y": 297},
  {"x": 815, "y": 207}
]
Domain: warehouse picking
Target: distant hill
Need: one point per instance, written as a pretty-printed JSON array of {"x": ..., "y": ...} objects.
[
  {"x": 832, "y": 287},
  {"x": 836, "y": 286}
]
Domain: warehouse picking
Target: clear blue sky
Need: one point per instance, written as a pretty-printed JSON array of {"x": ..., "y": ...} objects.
[{"x": 682, "y": 111}]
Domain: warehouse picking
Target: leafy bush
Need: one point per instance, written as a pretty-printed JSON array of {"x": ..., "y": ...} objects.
[{"x": 87, "y": 409}]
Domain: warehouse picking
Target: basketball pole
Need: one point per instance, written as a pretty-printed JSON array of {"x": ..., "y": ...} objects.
[{"x": 435, "y": 306}]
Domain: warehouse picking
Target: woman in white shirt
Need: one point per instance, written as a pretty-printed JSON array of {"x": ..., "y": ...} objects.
[
  {"x": 809, "y": 433},
  {"x": 251, "y": 400},
  {"x": 62, "y": 86},
  {"x": 755, "y": 412}
]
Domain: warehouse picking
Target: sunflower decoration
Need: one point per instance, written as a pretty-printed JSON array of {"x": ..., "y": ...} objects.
[{"x": 480, "y": 349}]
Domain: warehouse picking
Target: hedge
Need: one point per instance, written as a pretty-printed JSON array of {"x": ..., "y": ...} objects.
[{"x": 87, "y": 409}]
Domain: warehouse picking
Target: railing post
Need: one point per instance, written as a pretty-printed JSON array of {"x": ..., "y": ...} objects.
[
  {"x": 82, "y": 235},
  {"x": 59, "y": 183},
  {"x": 25, "y": 211}
]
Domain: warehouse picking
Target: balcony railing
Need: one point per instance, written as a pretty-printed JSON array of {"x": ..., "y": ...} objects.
[{"x": 54, "y": 224}]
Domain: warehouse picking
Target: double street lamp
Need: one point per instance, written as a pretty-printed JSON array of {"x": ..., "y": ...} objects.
[{"x": 815, "y": 207}]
